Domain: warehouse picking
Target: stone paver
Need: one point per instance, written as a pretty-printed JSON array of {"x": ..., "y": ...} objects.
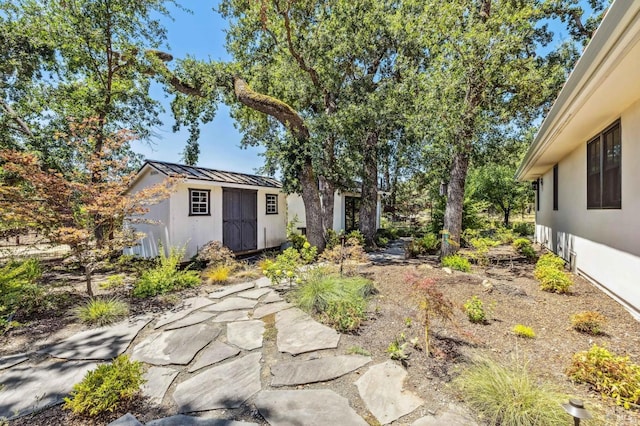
[
  {"x": 245, "y": 334},
  {"x": 214, "y": 353},
  {"x": 299, "y": 333},
  {"x": 224, "y": 386},
  {"x": 452, "y": 416},
  {"x": 30, "y": 387},
  {"x": 188, "y": 305},
  {"x": 158, "y": 380},
  {"x": 126, "y": 420},
  {"x": 103, "y": 343},
  {"x": 263, "y": 282},
  {"x": 255, "y": 293},
  {"x": 291, "y": 373},
  {"x": 11, "y": 360},
  {"x": 191, "y": 319},
  {"x": 272, "y": 308},
  {"x": 175, "y": 346},
  {"x": 232, "y": 316},
  {"x": 272, "y": 297},
  {"x": 232, "y": 304},
  {"x": 381, "y": 390},
  {"x": 319, "y": 407},
  {"x": 236, "y": 288},
  {"x": 182, "y": 420}
]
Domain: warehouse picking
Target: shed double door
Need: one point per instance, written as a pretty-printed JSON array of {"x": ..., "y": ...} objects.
[{"x": 240, "y": 219}]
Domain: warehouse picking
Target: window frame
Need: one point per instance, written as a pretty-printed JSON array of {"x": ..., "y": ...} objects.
[
  {"x": 597, "y": 169},
  {"x": 555, "y": 187},
  {"x": 274, "y": 197},
  {"x": 200, "y": 202}
]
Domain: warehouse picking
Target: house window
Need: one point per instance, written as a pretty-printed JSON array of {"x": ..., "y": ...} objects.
[
  {"x": 351, "y": 213},
  {"x": 538, "y": 183},
  {"x": 555, "y": 187},
  {"x": 199, "y": 202},
  {"x": 604, "y": 177},
  {"x": 272, "y": 204}
]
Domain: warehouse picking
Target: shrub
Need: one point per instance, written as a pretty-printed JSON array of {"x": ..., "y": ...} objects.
[
  {"x": 474, "y": 309},
  {"x": 548, "y": 260},
  {"x": 554, "y": 280},
  {"x": 589, "y": 322},
  {"x": 396, "y": 350},
  {"x": 106, "y": 387},
  {"x": 352, "y": 252},
  {"x": 504, "y": 235},
  {"x": 610, "y": 375},
  {"x": 218, "y": 274},
  {"x": 524, "y": 229},
  {"x": 19, "y": 290},
  {"x": 284, "y": 268},
  {"x": 339, "y": 301},
  {"x": 523, "y": 331},
  {"x": 481, "y": 246},
  {"x": 509, "y": 395},
  {"x": 456, "y": 262},
  {"x": 102, "y": 312},
  {"x": 215, "y": 254},
  {"x": 427, "y": 244},
  {"x": 524, "y": 247},
  {"x": 113, "y": 281},
  {"x": 165, "y": 276}
]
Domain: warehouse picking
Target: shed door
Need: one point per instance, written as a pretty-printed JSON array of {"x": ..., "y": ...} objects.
[{"x": 240, "y": 219}]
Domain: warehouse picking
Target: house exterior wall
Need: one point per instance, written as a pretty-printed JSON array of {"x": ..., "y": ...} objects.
[
  {"x": 173, "y": 227},
  {"x": 601, "y": 244}
]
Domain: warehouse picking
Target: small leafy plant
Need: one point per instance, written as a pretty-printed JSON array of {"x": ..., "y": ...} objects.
[
  {"x": 456, "y": 262},
  {"x": 474, "y": 308},
  {"x": 358, "y": 350},
  {"x": 19, "y": 291},
  {"x": 106, "y": 387},
  {"x": 166, "y": 276},
  {"x": 428, "y": 244},
  {"x": 396, "y": 350},
  {"x": 524, "y": 229},
  {"x": 524, "y": 247},
  {"x": 113, "y": 281},
  {"x": 589, "y": 322},
  {"x": 523, "y": 331},
  {"x": 102, "y": 311},
  {"x": 549, "y": 272},
  {"x": 611, "y": 375}
]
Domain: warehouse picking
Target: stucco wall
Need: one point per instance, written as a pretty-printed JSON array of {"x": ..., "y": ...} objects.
[{"x": 603, "y": 244}]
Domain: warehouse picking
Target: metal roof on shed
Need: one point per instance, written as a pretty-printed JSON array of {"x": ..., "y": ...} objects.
[{"x": 211, "y": 175}]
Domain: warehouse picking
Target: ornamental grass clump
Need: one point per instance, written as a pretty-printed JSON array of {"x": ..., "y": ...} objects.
[
  {"x": 106, "y": 387},
  {"x": 549, "y": 272},
  {"x": 102, "y": 311},
  {"x": 611, "y": 375},
  {"x": 503, "y": 395}
]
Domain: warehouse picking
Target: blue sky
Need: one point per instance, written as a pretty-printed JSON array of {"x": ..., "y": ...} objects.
[{"x": 201, "y": 35}]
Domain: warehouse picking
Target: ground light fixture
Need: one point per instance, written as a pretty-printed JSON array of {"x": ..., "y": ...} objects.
[{"x": 576, "y": 409}]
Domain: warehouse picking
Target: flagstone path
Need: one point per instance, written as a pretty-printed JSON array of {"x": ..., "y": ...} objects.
[{"x": 208, "y": 356}]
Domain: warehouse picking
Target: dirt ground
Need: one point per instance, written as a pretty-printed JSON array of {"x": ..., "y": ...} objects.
[{"x": 506, "y": 285}]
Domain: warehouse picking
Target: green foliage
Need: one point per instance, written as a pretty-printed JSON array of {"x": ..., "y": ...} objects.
[
  {"x": 358, "y": 350},
  {"x": 589, "y": 322},
  {"x": 523, "y": 331},
  {"x": 284, "y": 268},
  {"x": 294, "y": 236},
  {"x": 102, "y": 311},
  {"x": 524, "y": 229},
  {"x": 524, "y": 247},
  {"x": 166, "y": 276},
  {"x": 474, "y": 308},
  {"x": 504, "y": 235},
  {"x": 611, "y": 375},
  {"x": 19, "y": 290},
  {"x": 428, "y": 244},
  {"x": 549, "y": 272},
  {"x": 339, "y": 301},
  {"x": 113, "y": 281},
  {"x": 503, "y": 395},
  {"x": 106, "y": 387},
  {"x": 457, "y": 262},
  {"x": 396, "y": 349}
]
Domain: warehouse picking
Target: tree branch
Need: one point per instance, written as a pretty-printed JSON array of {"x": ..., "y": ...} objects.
[{"x": 22, "y": 126}]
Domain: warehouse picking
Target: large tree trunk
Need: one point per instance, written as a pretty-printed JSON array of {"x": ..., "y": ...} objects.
[
  {"x": 455, "y": 203},
  {"x": 369, "y": 192},
  {"x": 312, "y": 206},
  {"x": 507, "y": 212},
  {"x": 327, "y": 197}
]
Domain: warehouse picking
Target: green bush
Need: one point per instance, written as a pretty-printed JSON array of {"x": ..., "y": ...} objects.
[
  {"x": 523, "y": 331},
  {"x": 524, "y": 247},
  {"x": 339, "y": 301},
  {"x": 610, "y": 375},
  {"x": 548, "y": 260},
  {"x": 19, "y": 291},
  {"x": 524, "y": 229},
  {"x": 589, "y": 322},
  {"x": 106, "y": 387},
  {"x": 102, "y": 312},
  {"x": 553, "y": 280},
  {"x": 474, "y": 308},
  {"x": 165, "y": 276},
  {"x": 510, "y": 396},
  {"x": 504, "y": 235},
  {"x": 456, "y": 262}
]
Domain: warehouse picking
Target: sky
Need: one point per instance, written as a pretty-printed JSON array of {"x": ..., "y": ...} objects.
[{"x": 202, "y": 36}]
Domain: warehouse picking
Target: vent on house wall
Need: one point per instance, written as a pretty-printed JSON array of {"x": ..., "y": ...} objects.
[
  {"x": 153, "y": 172},
  {"x": 572, "y": 261}
]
